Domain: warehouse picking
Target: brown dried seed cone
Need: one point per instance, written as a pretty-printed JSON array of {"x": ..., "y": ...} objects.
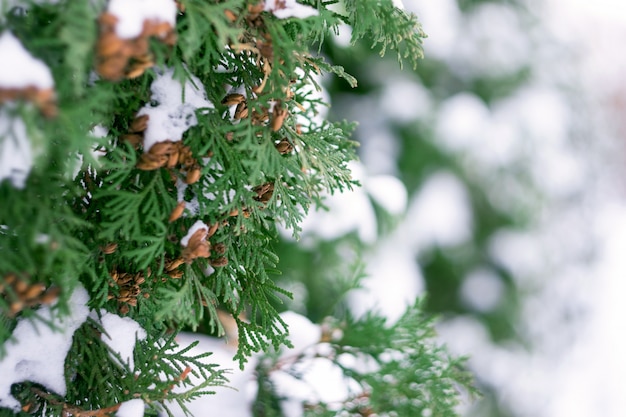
[
  {"x": 172, "y": 159},
  {"x": 135, "y": 71},
  {"x": 264, "y": 192},
  {"x": 278, "y": 118},
  {"x": 45, "y": 100},
  {"x": 124, "y": 279},
  {"x": 193, "y": 175},
  {"x": 109, "y": 44},
  {"x": 124, "y": 309},
  {"x": 176, "y": 274},
  {"x": 170, "y": 38},
  {"x": 212, "y": 229},
  {"x": 219, "y": 248},
  {"x": 195, "y": 239},
  {"x": 173, "y": 264},
  {"x": 10, "y": 94},
  {"x": 161, "y": 148},
  {"x": 112, "y": 67},
  {"x": 156, "y": 28},
  {"x": 16, "y": 307},
  {"x": 284, "y": 147},
  {"x": 33, "y": 292},
  {"x": 219, "y": 262},
  {"x": 203, "y": 250},
  {"x": 232, "y": 17},
  {"x": 134, "y": 139},
  {"x": 109, "y": 248},
  {"x": 232, "y": 99},
  {"x": 139, "y": 124},
  {"x": 51, "y": 295},
  {"x": 107, "y": 20},
  {"x": 177, "y": 212},
  {"x": 150, "y": 162},
  {"x": 255, "y": 9},
  {"x": 20, "y": 286},
  {"x": 10, "y": 278},
  {"x": 115, "y": 275},
  {"x": 241, "y": 112},
  {"x": 185, "y": 156}
]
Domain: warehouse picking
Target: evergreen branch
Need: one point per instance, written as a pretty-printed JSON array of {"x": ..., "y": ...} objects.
[
  {"x": 69, "y": 409},
  {"x": 384, "y": 25}
]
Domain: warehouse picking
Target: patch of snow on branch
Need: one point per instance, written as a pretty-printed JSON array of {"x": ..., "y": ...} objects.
[
  {"x": 131, "y": 408},
  {"x": 441, "y": 213},
  {"x": 24, "y": 70},
  {"x": 16, "y": 155},
  {"x": 38, "y": 353},
  {"x": 284, "y": 9},
  {"x": 232, "y": 400},
  {"x": 133, "y": 13},
  {"x": 302, "y": 333},
  {"x": 120, "y": 334},
  {"x": 192, "y": 230},
  {"x": 349, "y": 211},
  {"x": 176, "y": 109}
]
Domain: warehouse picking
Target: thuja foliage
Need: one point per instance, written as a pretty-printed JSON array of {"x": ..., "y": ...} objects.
[
  {"x": 391, "y": 369},
  {"x": 171, "y": 232}
]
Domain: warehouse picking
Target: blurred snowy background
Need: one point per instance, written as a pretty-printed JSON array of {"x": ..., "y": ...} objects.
[{"x": 492, "y": 179}]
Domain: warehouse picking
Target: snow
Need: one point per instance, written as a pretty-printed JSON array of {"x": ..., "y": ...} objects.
[
  {"x": 573, "y": 316},
  {"x": 318, "y": 380},
  {"x": 232, "y": 400},
  {"x": 24, "y": 70},
  {"x": 131, "y": 408},
  {"x": 393, "y": 279},
  {"x": 440, "y": 213},
  {"x": 16, "y": 154},
  {"x": 133, "y": 13},
  {"x": 398, "y": 4},
  {"x": 347, "y": 212},
  {"x": 388, "y": 192},
  {"x": 193, "y": 229},
  {"x": 321, "y": 379},
  {"x": 302, "y": 333},
  {"x": 482, "y": 290},
  {"x": 284, "y": 9},
  {"x": 405, "y": 99},
  {"x": 176, "y": 108},
  {"x": 120, "y": 334},
  {"x": 38, "y": 352}
]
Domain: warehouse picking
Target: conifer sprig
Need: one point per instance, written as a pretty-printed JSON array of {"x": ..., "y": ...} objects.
[{"x": 172, "y": 231}]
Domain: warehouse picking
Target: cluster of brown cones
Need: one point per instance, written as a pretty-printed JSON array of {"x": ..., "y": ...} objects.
[
  {"x": 275, "y": 119},
  {"x": 166, "y": 154},
  {"x": 199, "y": 247},
  {"x": 119, "y": 58},
  {"x": 44, "y": 99},
  {"x": 128, "y": 288},
  {"x": 264, "y": 192},
  {"x": 22, "y": 294}
]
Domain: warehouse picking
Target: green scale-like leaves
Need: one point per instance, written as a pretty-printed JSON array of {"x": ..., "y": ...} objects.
[{"x": 88, "y": 215}]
